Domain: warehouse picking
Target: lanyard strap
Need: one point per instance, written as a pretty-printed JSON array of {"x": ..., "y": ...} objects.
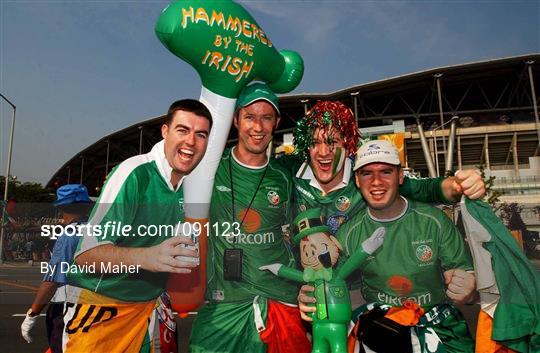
[{"x": 232, "y": 191}]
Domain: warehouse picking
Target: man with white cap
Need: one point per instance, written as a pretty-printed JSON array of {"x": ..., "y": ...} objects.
[
  {"x": 326, "y": 139},
  {"x": 423, "y": 259}
]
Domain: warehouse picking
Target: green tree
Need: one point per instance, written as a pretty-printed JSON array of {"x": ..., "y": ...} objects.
[
  {"x": 27, "y": 192},
  {"x": 510, "y": 213},
  {"x": 492, "y": 196},
  {"x": 33, "y": 200}
]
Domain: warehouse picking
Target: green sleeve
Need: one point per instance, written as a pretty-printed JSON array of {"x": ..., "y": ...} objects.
[
  {"x": 423, "y": 190},
  {"x": 291, "y": 207},
  {"x": 349, "y": 236},
  {"x": 349, "y": 243},
  {"x": 452, "y": 250},
  {"x": 287, "y": 227},
  {"x": 353, "y": 263},
  {"x": 117, "y": 205},
  {"x": 341, "y": 238}
]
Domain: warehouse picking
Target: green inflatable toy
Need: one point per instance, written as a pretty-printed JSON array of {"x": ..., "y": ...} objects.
[
  {"x": 319, "y": 253},
  {"x": 226, "y": 46}
]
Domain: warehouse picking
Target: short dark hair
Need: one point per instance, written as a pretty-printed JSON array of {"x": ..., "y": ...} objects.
[
  {"x": 78, "y": 208},
  {"x": 190, "y": 106}
]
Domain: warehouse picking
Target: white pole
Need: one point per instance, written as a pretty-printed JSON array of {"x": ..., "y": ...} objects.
[{"x": 6, "y": 180}]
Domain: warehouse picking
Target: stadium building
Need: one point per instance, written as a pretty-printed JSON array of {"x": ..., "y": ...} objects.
[{"x": 482, "y": 114}]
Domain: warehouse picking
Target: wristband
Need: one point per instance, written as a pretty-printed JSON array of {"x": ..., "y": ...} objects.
[{"x": 30, "y": 313}]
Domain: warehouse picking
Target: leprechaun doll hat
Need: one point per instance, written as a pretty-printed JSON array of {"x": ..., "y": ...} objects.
[{"x": 307, "y": 223}]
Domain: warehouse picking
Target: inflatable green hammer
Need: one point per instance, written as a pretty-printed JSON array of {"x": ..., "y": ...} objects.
[{"x": 226, "y": 46}]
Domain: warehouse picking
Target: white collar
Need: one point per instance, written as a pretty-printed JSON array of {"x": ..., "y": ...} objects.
[
  {"x": 305, "y": 172},
  {"x": 164, "y": 168},
  {"x": 393, "y": 218},
  {"x": 246, "y": 165}
]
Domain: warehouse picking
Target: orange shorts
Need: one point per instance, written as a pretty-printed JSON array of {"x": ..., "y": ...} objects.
[{"x": 101, "y": 324}]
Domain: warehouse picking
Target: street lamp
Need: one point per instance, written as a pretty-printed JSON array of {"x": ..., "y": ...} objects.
[{"x": 6, "y": 180}]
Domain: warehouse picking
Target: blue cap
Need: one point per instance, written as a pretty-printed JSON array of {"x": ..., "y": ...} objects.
[{"x": 71, "y": 193}]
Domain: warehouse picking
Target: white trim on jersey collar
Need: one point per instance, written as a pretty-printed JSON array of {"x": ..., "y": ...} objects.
[
  {"x": 305, "y": 172},
  {"x": 393, "y": 218},
  {"x": 248, "y": 166},
  {"x": 164, "y": 168}
]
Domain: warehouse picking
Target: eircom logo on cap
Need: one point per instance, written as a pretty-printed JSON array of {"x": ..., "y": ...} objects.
[{"x": 374, "y": 149}]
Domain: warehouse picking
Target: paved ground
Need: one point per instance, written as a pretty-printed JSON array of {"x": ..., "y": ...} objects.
[{"x": 18, "y": 285}]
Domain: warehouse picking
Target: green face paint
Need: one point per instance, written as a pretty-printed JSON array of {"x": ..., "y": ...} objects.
[{"x": 339, "y": 161}]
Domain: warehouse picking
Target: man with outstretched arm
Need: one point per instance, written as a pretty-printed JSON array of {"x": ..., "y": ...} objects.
[
  {"x": 73, "y": 205},
  {"x": 326, "y": 140}
]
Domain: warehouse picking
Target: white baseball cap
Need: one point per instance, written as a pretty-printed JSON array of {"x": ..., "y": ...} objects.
[{"x": 377, "y": 151}]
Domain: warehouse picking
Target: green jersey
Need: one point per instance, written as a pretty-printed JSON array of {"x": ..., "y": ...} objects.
[
  {"x": 262, "y": 198},
  {"x": 137, "y": 195},
  {"x": 345, "y": 199},
  {"x": 419, "y": 245}
]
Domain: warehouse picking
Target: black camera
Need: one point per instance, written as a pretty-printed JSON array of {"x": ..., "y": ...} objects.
[{"x": 232, "y": 265}]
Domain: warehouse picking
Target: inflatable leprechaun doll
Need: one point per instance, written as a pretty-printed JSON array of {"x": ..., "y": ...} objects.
[{"x": 319, "y": 253}]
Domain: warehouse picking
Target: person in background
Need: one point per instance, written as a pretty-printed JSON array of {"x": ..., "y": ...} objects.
[{"x": 73, "y": 204}]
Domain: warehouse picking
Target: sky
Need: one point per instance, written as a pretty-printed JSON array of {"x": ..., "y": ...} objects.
[{"x": 80, "y": 70}]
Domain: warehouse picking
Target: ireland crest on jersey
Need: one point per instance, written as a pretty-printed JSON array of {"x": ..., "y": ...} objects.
[
  {"x": 424, "y": 253},
  {"x": 343, "y": 203}
]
